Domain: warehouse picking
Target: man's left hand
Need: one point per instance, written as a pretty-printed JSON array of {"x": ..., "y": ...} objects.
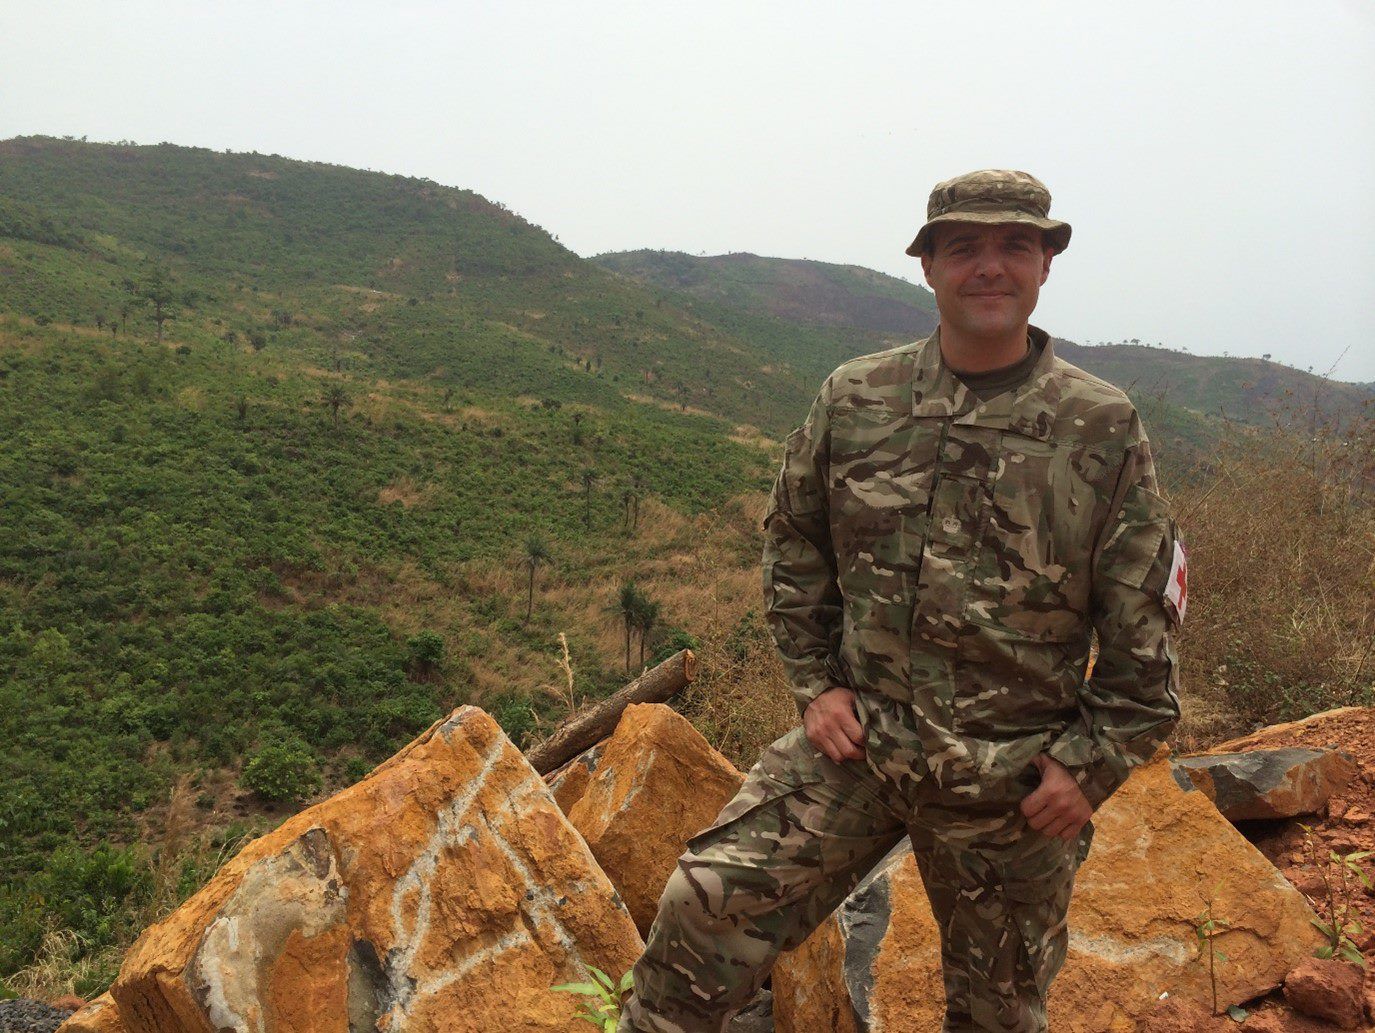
[{"x": 1057, "y": 807}]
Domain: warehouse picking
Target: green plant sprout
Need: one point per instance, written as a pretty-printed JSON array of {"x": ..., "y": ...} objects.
[
  {"x": 1340, "y": 874},
  {"x": 603, "y": 1005},
  {"x": 1207, "y": 927}
]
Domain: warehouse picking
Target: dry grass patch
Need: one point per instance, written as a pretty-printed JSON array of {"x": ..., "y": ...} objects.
[
  {"x": 1281, "y": 537},
  {"x": 406, "y": 492},
  {"x": 192, "y": 398}
]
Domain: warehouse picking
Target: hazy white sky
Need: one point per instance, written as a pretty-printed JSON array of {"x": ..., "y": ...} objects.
[{"x": 1216, "y": 159}]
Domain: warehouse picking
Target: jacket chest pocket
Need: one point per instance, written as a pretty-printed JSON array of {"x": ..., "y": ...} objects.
[
  {"x": 1031, "y": 574},
  {"x": 881, "y": 467}
]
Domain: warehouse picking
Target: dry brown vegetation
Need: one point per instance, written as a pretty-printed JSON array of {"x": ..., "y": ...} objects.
[{"x": 1280, "y": 529}]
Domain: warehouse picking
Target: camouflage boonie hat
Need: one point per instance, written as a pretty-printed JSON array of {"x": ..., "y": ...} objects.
[{"x": 993, "y": 196}]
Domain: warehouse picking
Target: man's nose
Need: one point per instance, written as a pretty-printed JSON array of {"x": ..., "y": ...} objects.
[{"x": 988, "y": 263}]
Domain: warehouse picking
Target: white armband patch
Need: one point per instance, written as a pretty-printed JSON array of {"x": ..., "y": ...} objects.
[{"x": 1177, "y": 587}]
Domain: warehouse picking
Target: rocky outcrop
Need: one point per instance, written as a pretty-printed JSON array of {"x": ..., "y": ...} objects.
[
  {"x": 649, "y": 788},
  {"x": 1159, "y": 855},
  {"x": 1279, "y": 783},
  {"x": 447, "y": 883}
]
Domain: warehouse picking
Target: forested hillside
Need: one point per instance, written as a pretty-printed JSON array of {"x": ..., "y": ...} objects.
[{"x": 386, "y": 442}]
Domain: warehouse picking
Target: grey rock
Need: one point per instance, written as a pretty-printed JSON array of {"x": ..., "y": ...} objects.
[
  {"x": 23, "y": 1015},
  {"x": 755, "y": 1017},
  {"x": 1266, "y": 783}
]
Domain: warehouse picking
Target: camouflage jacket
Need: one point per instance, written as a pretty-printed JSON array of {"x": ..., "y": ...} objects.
[{"x": 955, "y": 557}]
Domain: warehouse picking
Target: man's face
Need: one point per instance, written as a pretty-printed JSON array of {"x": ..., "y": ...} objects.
[{"x": 986, "y": 278}]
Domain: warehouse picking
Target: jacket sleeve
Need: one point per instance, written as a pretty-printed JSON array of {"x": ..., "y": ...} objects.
[
  {"x": 802, "y": 601},
  {"x": 1130, "y": 704}
]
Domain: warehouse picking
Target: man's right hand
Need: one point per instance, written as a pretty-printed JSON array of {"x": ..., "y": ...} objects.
[{"x": 832, "y": 724}]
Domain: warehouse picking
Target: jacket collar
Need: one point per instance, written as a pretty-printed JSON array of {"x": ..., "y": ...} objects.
[{"x": 1028, "y": 410}]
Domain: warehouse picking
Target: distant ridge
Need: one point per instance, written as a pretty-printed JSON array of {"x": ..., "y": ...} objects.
[
  {"x": 803, "y": 291},
  {"x": 811, "y": 293}
]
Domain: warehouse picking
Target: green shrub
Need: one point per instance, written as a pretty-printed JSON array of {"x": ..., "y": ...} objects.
[{"x": 283, "y": 771}]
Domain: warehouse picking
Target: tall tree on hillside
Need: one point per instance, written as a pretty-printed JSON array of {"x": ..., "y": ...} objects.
[
  {"x": 589, "y": 478},
  {"x": 646, "y": 619},
  {"x": 155, "y": 287},
  {"x": 536, "y": 552},
  {"x": 636, "y": 484},
  {"x": 628, "y": 604},
  {"x": 336, "y": 398}
]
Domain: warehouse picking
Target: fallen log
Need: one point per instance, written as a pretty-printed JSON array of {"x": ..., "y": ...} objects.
[{"x": 584, "y": 730}]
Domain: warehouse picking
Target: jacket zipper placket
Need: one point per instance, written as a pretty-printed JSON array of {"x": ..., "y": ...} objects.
[{"x": 930, "y": 504}]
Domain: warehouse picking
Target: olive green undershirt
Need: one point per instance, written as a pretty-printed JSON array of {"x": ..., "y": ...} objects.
[{"x": 994, "y": 382}]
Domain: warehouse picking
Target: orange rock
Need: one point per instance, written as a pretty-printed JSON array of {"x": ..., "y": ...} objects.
[
  {"x": 655, "y": 783},
  {"x": 569, "y": 783},
  {"x": 1158, "y": 853},
  {"x": 1327, "y": 989},
  {"x": 445, "y": 883},
  {"x": 809, "y": 991},
  {"x": 1175, "y": 1016},
  {"x": 99, "y": 1016}
]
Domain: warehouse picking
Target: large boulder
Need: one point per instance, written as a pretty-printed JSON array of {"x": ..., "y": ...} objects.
[
  {"x": 1159, "y": 855},
  {"x": 446, "y": 884},
  {"x": 647, "y": 789},
  {"x": 1278, "y": 783}
]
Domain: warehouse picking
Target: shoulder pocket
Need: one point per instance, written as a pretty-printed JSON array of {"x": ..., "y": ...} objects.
[
  {"x": 1142, "y": 523},
  {"x": 801, "y": 488}
]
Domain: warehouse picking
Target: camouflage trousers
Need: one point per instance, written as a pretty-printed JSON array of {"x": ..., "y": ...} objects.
[{"x": 796, "y": 840}]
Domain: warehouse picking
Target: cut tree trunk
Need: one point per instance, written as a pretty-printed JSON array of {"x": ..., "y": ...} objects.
[{"x": 590, "y": 727}]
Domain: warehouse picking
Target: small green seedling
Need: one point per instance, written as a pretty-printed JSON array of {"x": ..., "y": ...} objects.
[
  {"x": 603, "y": 1005},
  {"x": 1340, "y": 874},
  {"x": 1207, "y": 928}
]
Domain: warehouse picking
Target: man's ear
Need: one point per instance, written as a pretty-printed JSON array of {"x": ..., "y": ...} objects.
[
  {"x": 926, "y": 266},
  {"x": 1046, "y": 255}
]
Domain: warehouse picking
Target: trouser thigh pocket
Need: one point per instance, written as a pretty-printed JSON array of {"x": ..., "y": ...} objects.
[{"x": 1038, "y": 892}]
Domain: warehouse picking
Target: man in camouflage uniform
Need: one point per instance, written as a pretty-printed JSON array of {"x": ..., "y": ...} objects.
[{"x": 950, "y": 526}]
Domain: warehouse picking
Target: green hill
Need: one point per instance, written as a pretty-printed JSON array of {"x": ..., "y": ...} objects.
[
  {"x": 844, "y": 297},
  {"x": 406, "y": 277},
  {"x": 247, "y": 554}
]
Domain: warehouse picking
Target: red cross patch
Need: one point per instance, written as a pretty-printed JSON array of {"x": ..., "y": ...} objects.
[{"x": 1177, "y": 587}]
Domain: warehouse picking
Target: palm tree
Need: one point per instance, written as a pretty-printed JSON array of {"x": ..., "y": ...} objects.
[
  {"x": 536, "y": 552},
  {"x": 336, "y": 398},
  {"x": 627, "y": 607},
  {"x": 645, "y": 620}
]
